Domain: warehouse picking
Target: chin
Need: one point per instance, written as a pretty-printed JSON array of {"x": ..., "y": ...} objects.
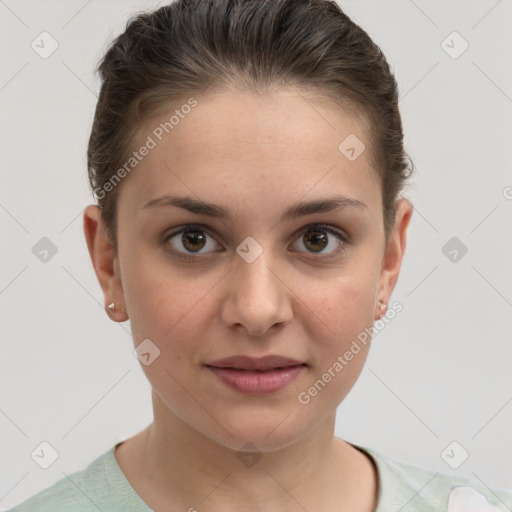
[{"x": 267, "y": 433}]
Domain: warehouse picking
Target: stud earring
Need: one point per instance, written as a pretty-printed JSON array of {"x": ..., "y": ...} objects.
[
  {"x": 112, "y": 307},
  {"x": 382, "y": 307}
]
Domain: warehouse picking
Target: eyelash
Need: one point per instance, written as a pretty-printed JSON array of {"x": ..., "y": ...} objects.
[{"x": 320, "y": 227}]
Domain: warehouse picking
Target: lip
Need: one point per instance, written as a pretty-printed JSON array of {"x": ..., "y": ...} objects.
[
  {"x": 257, "y": 376},
  {"x": 269, "y": 362}
]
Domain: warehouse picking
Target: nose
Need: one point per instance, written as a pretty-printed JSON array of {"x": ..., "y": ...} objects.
[{"x": 257, "y": 298}]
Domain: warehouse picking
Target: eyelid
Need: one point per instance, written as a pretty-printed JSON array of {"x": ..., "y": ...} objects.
[
  {"x": 339, "y": 234},
  {"x": 188, "y": 227}
]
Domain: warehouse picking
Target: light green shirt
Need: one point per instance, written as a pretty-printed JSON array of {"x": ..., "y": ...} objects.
[{"x": 103, "y": 487}]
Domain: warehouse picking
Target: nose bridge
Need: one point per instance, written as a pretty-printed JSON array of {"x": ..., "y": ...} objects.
[
  {"x": 254, "y": 272},
  {"x": 258, "y": 299}
]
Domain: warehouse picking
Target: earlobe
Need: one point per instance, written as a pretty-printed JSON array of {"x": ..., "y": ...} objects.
[
  {"x": 104, "y": 262},
  {"x": 380, "y": 309}
]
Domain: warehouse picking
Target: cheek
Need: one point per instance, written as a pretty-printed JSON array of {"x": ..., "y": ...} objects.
[
  {"x": 340, "y": 336},
  {"x": 343, "y": 306},
  {"x": 172, "y": 313},
  {"x": 165, "y": 308},
  {"x": 167, "y": 304}
]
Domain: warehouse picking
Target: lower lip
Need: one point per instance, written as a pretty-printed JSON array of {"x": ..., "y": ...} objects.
[{"x": 255, "y": 382}]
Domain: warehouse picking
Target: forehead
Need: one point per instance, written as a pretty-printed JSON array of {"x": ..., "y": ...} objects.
[
  {"x": 284, "y": 121},
  {"x": 283, "y": 142}
]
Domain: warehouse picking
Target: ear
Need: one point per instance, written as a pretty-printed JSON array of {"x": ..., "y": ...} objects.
[
  {"x": 105, "y": 262},
  {"x": 393, "y": 254}
]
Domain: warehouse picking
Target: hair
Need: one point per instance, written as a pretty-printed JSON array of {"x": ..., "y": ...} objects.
[{"x": 190, "y": 47}]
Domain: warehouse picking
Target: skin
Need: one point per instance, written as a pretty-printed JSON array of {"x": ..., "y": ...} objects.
[{"x": 253, "y": 154}]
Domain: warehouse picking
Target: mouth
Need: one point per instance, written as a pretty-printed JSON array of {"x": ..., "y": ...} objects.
[{"x": 257, "y": 376}]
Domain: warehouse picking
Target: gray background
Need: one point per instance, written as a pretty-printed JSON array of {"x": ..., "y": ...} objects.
[{"x": 439, "y": 372}]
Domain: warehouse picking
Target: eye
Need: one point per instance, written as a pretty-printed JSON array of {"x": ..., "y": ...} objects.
[
  {"x": 318, "y": 239},
  {"x": 192, "y": 240},
  {"x": 321, "y": 239}
]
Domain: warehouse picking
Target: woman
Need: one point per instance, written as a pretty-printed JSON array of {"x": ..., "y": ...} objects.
[{"x": 247, "y": 158}]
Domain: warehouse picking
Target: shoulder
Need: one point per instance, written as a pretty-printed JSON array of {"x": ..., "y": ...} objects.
[
  {"x": 412, "y": 489},
  {"x": 100, "y": 486}
]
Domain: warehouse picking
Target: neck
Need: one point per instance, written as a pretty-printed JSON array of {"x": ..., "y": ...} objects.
[{"x": 171, "y": 463}]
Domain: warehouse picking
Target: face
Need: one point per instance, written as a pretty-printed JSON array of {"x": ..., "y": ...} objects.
[{"x": 287, "y": 258}]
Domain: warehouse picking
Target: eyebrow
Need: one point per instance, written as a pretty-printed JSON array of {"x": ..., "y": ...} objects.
[{"x": 294, "y": 211}]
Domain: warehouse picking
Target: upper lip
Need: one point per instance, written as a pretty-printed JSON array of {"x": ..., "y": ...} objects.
[{"x": 252, "y": 363}]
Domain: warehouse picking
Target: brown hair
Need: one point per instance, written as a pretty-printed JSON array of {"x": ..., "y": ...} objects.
[{"x": 193, "y": 46}]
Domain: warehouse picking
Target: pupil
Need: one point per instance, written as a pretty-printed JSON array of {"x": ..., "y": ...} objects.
[
  {"x": 316, "y": 237},
  {"x": 190, "y": 240}
]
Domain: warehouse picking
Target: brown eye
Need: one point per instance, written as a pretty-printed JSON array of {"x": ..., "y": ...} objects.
[
  {"x": 316, "y": 240},
  {"x": 321, "y": 239},
  {"x": 192, "y": 240}
]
